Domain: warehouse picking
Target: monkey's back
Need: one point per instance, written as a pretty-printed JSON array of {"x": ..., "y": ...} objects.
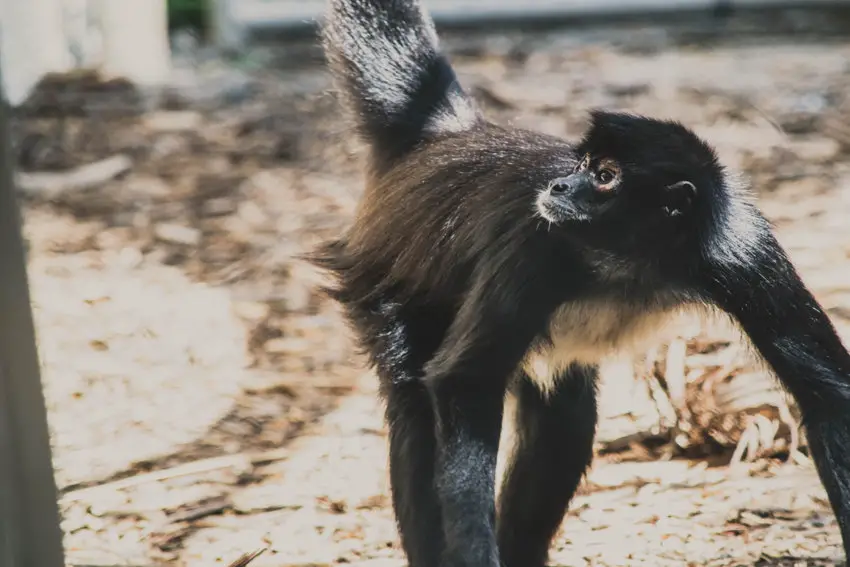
[{"x": 427, "y": 220}]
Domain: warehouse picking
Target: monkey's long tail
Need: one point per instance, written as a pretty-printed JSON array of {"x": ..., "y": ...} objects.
[{"x": 396, "y": 85}]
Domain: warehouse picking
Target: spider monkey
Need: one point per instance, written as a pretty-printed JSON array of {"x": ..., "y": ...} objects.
[{"x": 487, "y": 261}]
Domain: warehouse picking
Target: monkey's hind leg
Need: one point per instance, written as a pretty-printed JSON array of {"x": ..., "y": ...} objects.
[
  {"x": 404, "y": 336},
  {"x": 412, "y": 454},
  {"x": 553, "y": 448}
]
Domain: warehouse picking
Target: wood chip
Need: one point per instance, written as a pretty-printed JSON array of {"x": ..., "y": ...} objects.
[
  {"x": 242, "y": 461},
  {"x": 49, "y": 185},
  {"x": 247, "y": 558},
  {"x": 178, "y": 234}
]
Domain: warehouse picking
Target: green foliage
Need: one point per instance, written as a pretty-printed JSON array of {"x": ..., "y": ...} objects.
[
  {"x": 185, "y": 5},
  {"x": 188, "y": 13}
]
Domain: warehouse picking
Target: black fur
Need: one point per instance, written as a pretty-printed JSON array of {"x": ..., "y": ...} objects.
[
  {"x": 554, "y": 446},
  {"x": 391, "y": 74},
  {"x": 479, "y": 249}
]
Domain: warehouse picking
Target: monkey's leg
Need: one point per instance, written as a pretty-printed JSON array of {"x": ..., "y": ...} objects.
[
  {"x": 794, "y": 335},
  {"x": 812, "y": 364},
  {"x": 467, "y": 379},
  {"x": 553, "y": 448},
  {"x": 412, "y": 455},
  {"x": 404, "y": 335},
  {"x": 469, "y": 425}
]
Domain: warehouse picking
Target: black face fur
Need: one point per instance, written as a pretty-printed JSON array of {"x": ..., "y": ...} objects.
[{"x": 637, "y": 175}]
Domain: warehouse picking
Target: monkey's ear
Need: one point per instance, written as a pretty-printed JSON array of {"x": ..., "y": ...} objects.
[{"x": 678, "y": 197}]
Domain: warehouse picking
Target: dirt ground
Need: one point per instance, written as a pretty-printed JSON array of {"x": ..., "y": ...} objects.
[{"x": 205, "y": 401}]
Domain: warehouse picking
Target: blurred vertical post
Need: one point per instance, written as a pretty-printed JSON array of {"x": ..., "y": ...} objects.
[
  {"x": 135, "y": 40},
  {"x": 29, "y": 518},
  {"x": 33, "y": 43},
  {"x": 228, "y": 34}
]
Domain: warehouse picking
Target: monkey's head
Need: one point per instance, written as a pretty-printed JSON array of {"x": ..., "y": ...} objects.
[{"x": 634, "y": 176}]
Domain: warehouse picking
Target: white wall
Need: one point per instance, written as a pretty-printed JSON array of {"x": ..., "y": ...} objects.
[
  {"x": 126, "y": 38},
  {"x": 32, "y": 42},
  {"x": 135, "y": 40},
  {"x": 293, "y": 11}
]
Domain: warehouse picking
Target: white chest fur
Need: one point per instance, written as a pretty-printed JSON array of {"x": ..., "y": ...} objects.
[{"x": 588, "y": 331}]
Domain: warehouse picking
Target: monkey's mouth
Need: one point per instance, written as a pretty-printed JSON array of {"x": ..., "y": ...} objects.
[{"x": 556, "y": 211}]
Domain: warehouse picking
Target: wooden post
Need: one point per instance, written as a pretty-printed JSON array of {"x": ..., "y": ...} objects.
[
  {"x": 33, "y": 43},
  {"x": 135, "y": 40},
  {"x": 29, "y": 518}
]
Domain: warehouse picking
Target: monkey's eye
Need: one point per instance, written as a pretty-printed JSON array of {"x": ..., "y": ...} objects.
[{"x": 605, "y": 176}]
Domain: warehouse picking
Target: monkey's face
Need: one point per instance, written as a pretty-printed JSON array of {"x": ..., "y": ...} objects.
[
  {"x": 610, "y": 202},
  {"x": 582, "y": 195},
  {"x": 637, "y": 186}
]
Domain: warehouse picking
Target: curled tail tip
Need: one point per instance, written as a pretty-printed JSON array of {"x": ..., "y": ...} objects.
[{"x": 393, "y": 79}]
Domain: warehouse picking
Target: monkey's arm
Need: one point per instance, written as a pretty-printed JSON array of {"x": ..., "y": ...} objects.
[
  {"x": 793, "y": 334},
  {"x": 467, "y": 380}
]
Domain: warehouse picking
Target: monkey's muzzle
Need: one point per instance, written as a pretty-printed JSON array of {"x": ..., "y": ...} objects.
[{"x": 562, "y": 199}]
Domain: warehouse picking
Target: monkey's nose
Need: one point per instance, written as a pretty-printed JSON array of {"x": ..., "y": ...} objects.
[{"x": 560, "y": 185}]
